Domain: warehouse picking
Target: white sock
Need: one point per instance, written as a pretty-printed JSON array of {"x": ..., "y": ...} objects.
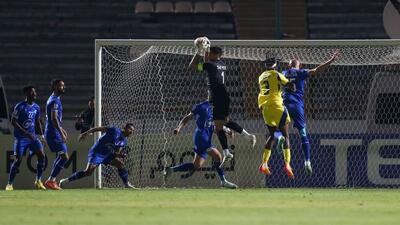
[{"x": 226, "y": 151}]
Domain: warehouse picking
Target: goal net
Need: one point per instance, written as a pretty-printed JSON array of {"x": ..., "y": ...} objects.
[{"x": 352, "y": 111}]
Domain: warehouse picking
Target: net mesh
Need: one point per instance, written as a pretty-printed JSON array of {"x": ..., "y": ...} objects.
[{"x": 353, "y": 104}]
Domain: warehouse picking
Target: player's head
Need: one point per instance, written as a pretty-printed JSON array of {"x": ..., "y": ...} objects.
[
  {"x": 270, "y": 63},
  {"x": 294, "y": 63},
  {"x": 215, "y": 53},
  {"x": 58, "y": 86},
  {"x": 30, "y": 93},
  {"x": 91, "y": 102},
  {"x": 128, "y": 129}
]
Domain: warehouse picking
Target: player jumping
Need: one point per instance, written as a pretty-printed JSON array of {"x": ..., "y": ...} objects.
[
  {"x": 56, "y": 136},
  {"x": 107, "y": 151},
  {"x": 275, "y": 114},
  {"x": 219, "y": 97},
  {"x": 293, "y": 100},
  {"x": 202, "y": 143},
  {"x": 26, "y": 120}
]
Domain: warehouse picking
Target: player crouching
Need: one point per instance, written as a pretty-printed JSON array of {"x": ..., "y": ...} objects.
[{"x": 106, "y": 150}]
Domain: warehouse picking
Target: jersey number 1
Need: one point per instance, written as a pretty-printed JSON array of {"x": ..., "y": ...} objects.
[{"x": 223, "y": 77}]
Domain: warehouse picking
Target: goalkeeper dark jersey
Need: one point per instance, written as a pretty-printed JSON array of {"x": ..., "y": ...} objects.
[{"x": 216, "y": 71}]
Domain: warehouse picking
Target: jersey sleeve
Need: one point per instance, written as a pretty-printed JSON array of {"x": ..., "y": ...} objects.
[
  {"x": 303, "y": 74},
  {"x": 38, "y": 113},
  {"x": 204, "y": 66},
  {"x": 282, "y": 79},
  {"x": 55, "y": 106},
  {"x": 195, "y": 109}
]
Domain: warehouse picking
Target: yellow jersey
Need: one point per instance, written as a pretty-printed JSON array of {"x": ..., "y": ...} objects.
[{"x": 270, "y": 83}]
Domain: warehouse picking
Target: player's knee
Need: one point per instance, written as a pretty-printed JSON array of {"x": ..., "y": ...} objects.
[
  {"x": 196, "y": 166},
  {"x": 303, "y": 132}
]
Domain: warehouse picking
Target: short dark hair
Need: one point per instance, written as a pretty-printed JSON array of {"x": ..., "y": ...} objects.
[
  {"x": 130, "y": 124},
  {"x": 28, "y": 88},
  {"x": 216, "y": 50},
  {"x": 269, "y": 62},
  {"x": 91, "y": 99},
  {"x": 55, "y": 82}
]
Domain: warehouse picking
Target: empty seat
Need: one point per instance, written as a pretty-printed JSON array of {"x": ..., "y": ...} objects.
[
  {"x": 202, "y": 7},
  {"x": 164, "y": 7},
  {"x": 183, "y": 7},
  {"x": 222, "y": 7},
  {"x": 144, "y": 7}
]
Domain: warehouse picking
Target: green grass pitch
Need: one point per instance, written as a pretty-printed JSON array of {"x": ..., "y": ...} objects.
[{"x": 201, "y": 206}]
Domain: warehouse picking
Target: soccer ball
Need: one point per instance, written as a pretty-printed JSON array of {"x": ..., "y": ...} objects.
[{"x": 202, "y": 44}]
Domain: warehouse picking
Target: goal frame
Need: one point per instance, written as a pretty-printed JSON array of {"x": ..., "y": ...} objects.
[{"x": 100, "y": 43}]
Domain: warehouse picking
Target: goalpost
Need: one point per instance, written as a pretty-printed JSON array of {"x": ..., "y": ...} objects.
[{"x": 352, "y": 110}]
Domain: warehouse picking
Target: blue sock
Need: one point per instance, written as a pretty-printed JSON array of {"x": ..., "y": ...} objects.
[
  {"x": 123, "y": 173},
  {"x": 183, "y": 167},
  {"x": 39, "y": 168},
  {"x": 76, "y": 176},
  {"x": 13, "y": 171},
  {"x": 219, "y": 170},
  {"x": 58, "y": 165},
  {"x": 305, "y": 144}
]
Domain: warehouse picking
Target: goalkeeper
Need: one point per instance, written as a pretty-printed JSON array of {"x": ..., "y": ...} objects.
[{"x": 219, "y": 97}]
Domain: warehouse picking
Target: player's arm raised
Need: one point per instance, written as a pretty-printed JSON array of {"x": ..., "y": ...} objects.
[
  {"x": 183, "y": 122},
  {"x": 321, "y": 68},
  {"x": 92, "y": 130}
]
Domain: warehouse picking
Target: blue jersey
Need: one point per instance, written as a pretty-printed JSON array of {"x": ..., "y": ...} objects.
[
  {"x": 203, "y": 115},
  {"x": 110, "y": 141},
  {"x": 294, "y": 91},
  {"x": 53, "y": 104},
  {"x": 26, "y": 115}
]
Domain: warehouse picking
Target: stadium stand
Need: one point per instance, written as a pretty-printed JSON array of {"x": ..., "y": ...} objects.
[
  {"x": 45, "y": 39},
  {"x": 345, "y": 19}
]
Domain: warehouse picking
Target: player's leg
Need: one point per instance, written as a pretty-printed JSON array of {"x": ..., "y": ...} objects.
[
  {"x": 20, "y": 147},
  {"x": 217, "y": 157},
  {"x": 221, "y": 117},
  {"x": 79, "y": 174},
  {"x": 267, "y": 151},
  {"x": 61, "y": 159},
  {"x": 122, "y": 172},
  {"x": 36, "y": 148},
  {"x": 198, "y": 161},
  {"x": 286, "y": 151},
  {"x": 238, "y": 129},
  {"x": 300, "y": 124}
]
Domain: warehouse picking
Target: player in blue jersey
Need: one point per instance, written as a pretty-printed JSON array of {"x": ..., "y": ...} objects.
[
  {"x": 293, "y": 100},
  {"x": 26, "y": 122},
  {"x": 203, "y": 146},
  {"x": 56, "y": 136},
  {"x": 106, "y": 150}
]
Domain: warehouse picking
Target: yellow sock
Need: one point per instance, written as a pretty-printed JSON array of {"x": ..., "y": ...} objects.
[
  {"x": 286, "y": 155},
  {"x": 266, "y": 155}
]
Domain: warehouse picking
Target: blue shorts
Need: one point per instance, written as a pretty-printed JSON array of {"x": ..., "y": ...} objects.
[
  {"x": 296, "y": 113},
  {"x": 202, "y": 142},
  {"x": 22, "y": 144},
  {"x": 97, "y": 159},
  {"x": 56, "y": 144}
]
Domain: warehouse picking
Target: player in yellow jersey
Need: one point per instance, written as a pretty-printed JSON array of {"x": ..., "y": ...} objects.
[{"x": 275, "y": 114}]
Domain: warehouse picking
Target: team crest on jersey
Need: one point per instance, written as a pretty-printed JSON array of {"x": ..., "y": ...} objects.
[{"x": 27, "y": 123}]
